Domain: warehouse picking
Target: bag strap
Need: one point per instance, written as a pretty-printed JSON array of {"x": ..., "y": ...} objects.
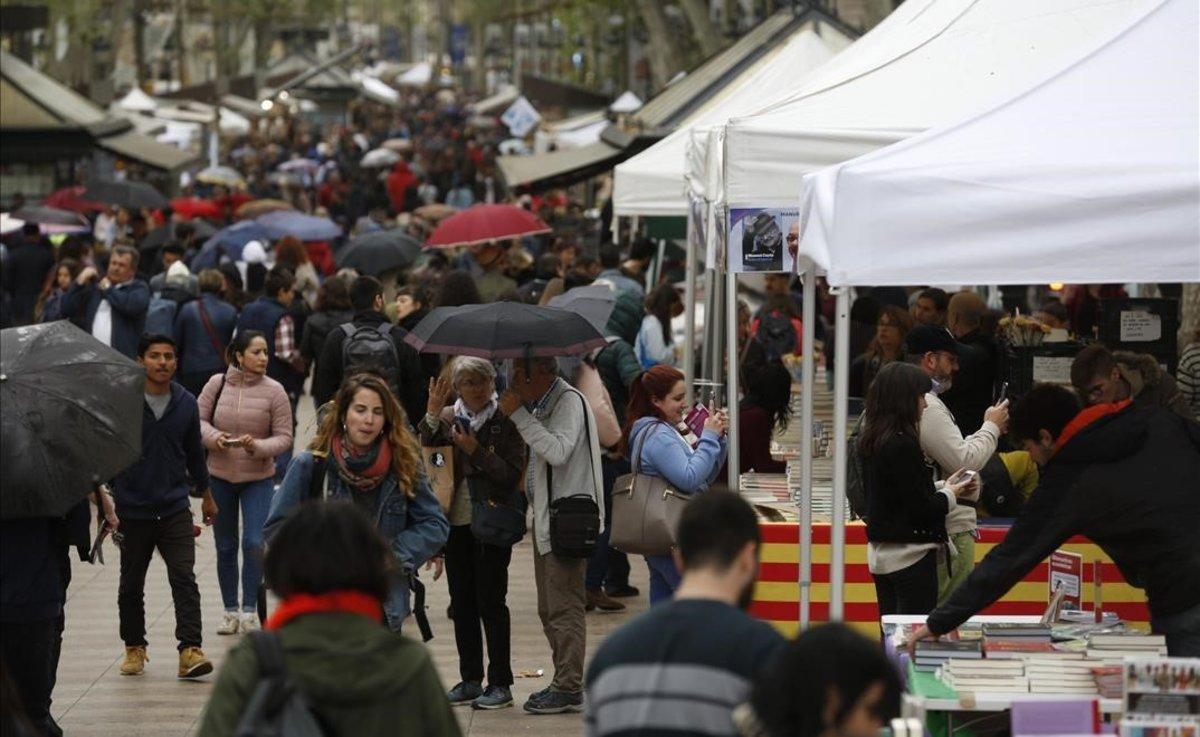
[
  {"x": 588, "y": 433},
  {"x": 637, "y": 454},
  {"x": 212, "y": 332},
  {"x": 212, "y": 416},
  {"x": 269, "y": 651},
  {"x": 316, "y": 481}
]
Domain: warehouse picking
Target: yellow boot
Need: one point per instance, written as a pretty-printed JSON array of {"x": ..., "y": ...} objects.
[
  {"x": 135, "y": 660},
  {"x": 193, "y": 664}
]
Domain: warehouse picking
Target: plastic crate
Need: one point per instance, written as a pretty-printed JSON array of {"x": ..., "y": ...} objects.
[{"x": 1141, "y": 325}]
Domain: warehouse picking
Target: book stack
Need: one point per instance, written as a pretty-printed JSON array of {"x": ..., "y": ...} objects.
[
  {"x": 1111, "y": 647},
  {"x": 994, "y": 676},
  {"x": 1110, "y": 681},
  {"x": 1008, "y": 640},
  {"x": 933, "y": 654},
  {"x": 1066, "y": 673}
]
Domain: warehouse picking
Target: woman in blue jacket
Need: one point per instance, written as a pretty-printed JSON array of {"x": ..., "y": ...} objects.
[
  {"x": 365, "y": 452},
  {"x": 203, "y": 329},
  {"x": 656, "y": 438}
]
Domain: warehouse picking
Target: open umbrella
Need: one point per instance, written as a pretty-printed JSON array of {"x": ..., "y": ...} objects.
[
  {"x": 306, "y": 166},
  {"x": 229, "y": 242},
  {"x": 46, "y": 215},
  {"x": 222, "y": 175},
  {"x": 595, "y": 303},
  {"x": 379, "y": 158},
  {"x": 251, "y": 210},
  {"x": 130, "y": 195},
  {"x": 399, "y": 145},
  {"x": 504, "y": 330},
  {"x": 380, "y": 251},
  {"x": 71, "y": 198},
  {"x": 10, "y": 224},
  {"x": 286, "y": 178},
  {"x": 72, "y": 416},
  {"x": 159, "y": 236},
  {"x": 297, "y": 224},
  {"x": 484, "y": 223},
  {"x": 194, "y": 207}
]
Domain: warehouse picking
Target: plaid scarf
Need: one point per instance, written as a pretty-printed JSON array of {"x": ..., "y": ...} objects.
[{"x": 362, "y": 472}]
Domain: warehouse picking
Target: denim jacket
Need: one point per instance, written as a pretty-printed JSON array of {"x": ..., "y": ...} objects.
[{"x": 415, "y": 529}]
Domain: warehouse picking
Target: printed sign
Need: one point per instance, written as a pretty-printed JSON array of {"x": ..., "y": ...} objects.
[
  {"x": 763, "y": 240},
  {"x": 1140, "y": 327},
  {"x": 1052, "y": 370},
  {"x": 1066, "y": 571},
  {"x": 520, "y": 117}
]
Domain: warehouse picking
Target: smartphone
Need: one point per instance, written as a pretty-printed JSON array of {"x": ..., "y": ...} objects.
[
  {"x": 1003, "y": 393},
  {"x": 234, "y": 443},
  {"x": 463, "y": 424}
]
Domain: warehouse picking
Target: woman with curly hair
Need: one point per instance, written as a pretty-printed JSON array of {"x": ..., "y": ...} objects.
[{"x": 365, "y": 452}]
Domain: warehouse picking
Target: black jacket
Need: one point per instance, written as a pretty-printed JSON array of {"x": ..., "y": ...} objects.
[
  {"x": 413, "y": 384},
  {"x": 1125, "y": 477},
  {"x": 975, "y": 383},
  {"x": 902, "y": 504},
  {"x": 494, "y": 469},
  {"x": 316, "y": 330}
]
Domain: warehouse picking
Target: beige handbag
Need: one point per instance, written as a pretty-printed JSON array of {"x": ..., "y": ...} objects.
[
  {"x": 439, "y": 467},
  {"x": 645, "y": 510},
  {"x": 588, "y": 381}
]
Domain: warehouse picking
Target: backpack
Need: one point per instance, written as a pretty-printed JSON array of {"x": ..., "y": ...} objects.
[
  {"x": 856, "y": 487},
  {"x": 277, "y": 708},
  {"x": 160, "y": 316},
  {"x": 367, "y": 348},
  {"x": 777, "y": 334}
]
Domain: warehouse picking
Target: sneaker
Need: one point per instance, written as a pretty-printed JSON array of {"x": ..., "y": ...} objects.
[
  {"x": 464, "y": 693},
  {"x": 193, "y": 664},
  {"x": 554, "y": 702},
  {"x": 135, "y": 660},
  {"x": 249, "y": 622},
  {"x": 229, "y": 624},
  {"x": 494, "y": 697},
  {"x": 624, "y": 591},
  {"x": 597, "y": 599}
]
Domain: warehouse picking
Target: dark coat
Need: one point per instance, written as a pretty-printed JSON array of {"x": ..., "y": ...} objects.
[
  {"x": 494, "y": 469},
  {"x": 974, "y": 387},
  {"x": 129, "y": 303},
  {"x": 25, "y": 273},
  {"x": 1124, "y": 477},
  {"x": 902, "y": 504},
  {"x": 316, "y": 329},
  {"x": 173, "y": 461},
  {"x": 196, "y": 350},
  {"x": 619, "y": 368},
  {"x": 412, "y": 382}
]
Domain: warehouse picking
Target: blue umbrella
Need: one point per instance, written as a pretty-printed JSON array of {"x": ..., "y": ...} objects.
[
  {"x": 229, "y": 242},
  {"x": 305, "y": 227}
]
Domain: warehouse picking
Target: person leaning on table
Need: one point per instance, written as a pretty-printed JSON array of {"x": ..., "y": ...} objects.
[{"x": 1122, "y": 475}]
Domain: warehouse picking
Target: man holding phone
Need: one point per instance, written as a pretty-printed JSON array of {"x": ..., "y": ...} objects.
[{"x": 935, "y": 351}]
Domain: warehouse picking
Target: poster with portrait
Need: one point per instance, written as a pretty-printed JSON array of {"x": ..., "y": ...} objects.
[{"x": 763, "y": 239}]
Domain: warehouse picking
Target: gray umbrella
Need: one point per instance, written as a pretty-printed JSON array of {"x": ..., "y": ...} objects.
[
  {"x": 375, "y": 253},
  {"x": 130, "y": 195},
  {"x": 595, "y": 303},
  {"x": 46, "y": 215},
  {"x": 72, "y": 415},
  {"x": 159, "y": 236},
  {"x": 504, "y": 330}
]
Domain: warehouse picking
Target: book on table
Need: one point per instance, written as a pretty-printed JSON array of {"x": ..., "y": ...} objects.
[
  {"x": 949, "y": 648},
  {"x": 999, "y": 650}
]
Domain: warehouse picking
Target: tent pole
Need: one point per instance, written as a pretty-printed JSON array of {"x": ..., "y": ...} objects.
[
  {"x": 710, "y": 325},
  {"x": 731, "y": 388},
  {"x": 616, "y": 230},
  {"x": 808, "y": 383},
  {"x": 689, "y": 312},
  {"x": 841, "y": 398}
]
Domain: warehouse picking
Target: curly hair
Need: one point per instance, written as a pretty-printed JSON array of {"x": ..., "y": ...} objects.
[{"x": 406, "y": 454}]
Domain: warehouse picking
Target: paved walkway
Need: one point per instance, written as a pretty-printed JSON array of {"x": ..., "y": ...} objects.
[{"x": 93, "y": 700}]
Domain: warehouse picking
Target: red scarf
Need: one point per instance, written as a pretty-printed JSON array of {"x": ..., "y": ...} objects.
[
  {"x": 348, "y": 601},
  {"x": 1086, "y": 418}
]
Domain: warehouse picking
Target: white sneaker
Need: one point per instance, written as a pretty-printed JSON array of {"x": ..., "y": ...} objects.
[
  {"x": 229, "y": 624},
  {"x": 249, "y": 622}
]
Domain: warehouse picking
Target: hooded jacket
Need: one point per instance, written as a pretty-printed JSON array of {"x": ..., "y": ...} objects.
[
  {"x": 1150, "y": 385},
  {"x": 360, "y": 678},
  {"x": 1125, "y": 477}
]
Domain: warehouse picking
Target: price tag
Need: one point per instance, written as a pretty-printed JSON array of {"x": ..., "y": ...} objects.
[{"x": 1140, "y": 327}]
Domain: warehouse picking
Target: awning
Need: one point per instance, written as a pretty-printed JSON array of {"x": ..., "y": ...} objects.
[
  {"x": 243, "y": 106},
  {"x": 506, "y": 96},
  {"x": 557, "y": 168},
  {"x": 133, "y": 145}
]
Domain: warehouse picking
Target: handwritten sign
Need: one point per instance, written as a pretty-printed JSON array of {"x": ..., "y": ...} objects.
[
  {"x": 1052, "y": 370},
  {"x": 1140, "y": 327}
]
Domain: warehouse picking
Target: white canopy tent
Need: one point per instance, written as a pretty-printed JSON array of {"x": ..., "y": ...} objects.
[
  {"x": 626, "y": 103},
  {"x": 136, "y": 101},
  {"x": 419, "y": 75},
  {"x": 1056, "y": 184},
  {"x": 925, "y": 65}
]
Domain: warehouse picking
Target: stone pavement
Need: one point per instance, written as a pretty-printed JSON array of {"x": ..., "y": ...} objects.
[{"x": 93, "y": 700}]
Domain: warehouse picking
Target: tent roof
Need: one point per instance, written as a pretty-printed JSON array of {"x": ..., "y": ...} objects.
[
  {"x": 64, "y": 103},
  {"x": 136, "y": 101},
  {"x": 626, "y": 103},
  {"x": 418, "y": 75},
  {"x": 504, "y": 97},
  {"x": 652, "y": 183},
  {"x": 133, "y": 145},
  {"x": 557, "y": 168},
  {"x": 1056, "y": 183},
  {"x": 928, "y": 63}
]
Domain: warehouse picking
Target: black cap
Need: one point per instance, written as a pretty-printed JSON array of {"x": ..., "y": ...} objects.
[{"x": 930, "y": 338}]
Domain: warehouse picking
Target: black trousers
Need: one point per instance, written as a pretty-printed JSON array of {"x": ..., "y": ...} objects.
[
  {"x": 477, "y": 575},
  {"x": 911, "y": 590},
  {"x": 27, "y": 651},
  {"x": 175, "y": 541},
  {"x": 608, "y": 566}
]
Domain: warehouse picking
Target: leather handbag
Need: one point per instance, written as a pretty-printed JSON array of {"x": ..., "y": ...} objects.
[
  {"x": 645, "y": 510},
  {"x": 439, "y": 467},
  {"x": 574, "y": 518},
  {"x": 497, "y": 523}
]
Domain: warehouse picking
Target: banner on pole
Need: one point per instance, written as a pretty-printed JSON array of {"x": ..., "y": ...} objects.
[
  {"x": 520, "y": 117},
  {"x": 763, "y": 239}
]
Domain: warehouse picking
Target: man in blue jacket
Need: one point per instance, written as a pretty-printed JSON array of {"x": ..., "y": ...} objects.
[
  {"x": 155, "y": 513},
  {"x": 112, "y": 309}
]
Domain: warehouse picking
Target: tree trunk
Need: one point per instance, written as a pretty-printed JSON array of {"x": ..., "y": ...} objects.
[
  {"x": 707, "y": 35},
  {"x": 139, "y": 44},
  {"x": 661, "y": 49}
]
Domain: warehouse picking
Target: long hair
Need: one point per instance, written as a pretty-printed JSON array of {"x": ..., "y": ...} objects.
[
  {"x": 892, "y": 405},
  {"x": 770, "y": 387},
  {"x": 900, "y": 319},
  {"x": 660, "y": 303},
  {"x": 406, "y": 455},
  {"x": 654, "y": 383}
]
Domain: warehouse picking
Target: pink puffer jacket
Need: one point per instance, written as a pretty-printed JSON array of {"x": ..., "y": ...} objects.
[{"x": 251, "y": 405}]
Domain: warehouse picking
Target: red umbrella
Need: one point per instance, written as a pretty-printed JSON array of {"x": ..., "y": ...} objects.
[
  {"x": 484, "y": 223},
  {"x": 194, "y": 207},
  {"x": 71, "y": 198}
]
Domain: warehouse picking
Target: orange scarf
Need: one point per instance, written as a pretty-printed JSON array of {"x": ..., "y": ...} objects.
[{"x": 347, "y": 600}]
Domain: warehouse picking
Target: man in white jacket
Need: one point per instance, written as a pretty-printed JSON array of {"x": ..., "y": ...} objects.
[
  {"x": 564, "y": 459},
  {"x": 935, "y": 351}
]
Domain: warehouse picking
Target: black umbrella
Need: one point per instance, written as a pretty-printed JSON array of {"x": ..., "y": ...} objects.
[
  {"x": 46, "y": 215},
  {"x": 72, "y": 415},
  {"x": 130, "y": 195},
  {"x": 159, "y": 236},
  {"x": 504, "y": 330},
  {"x": 595, "y": 302},
  {"x": 380, "y": 251}
]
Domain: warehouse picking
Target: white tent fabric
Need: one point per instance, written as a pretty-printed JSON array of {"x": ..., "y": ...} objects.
[
  {"x": 926, "y": 65},
  {"x": 1092, "y": 176},
  {"x": 504, "y": 97},
  {"x": 626, "y": 103},
  {"x": 378, "y": 90},
  {"x": 418, "y": 75},
  {"x": 653, "y": 182},
  {"x": 136, "y": 101}
]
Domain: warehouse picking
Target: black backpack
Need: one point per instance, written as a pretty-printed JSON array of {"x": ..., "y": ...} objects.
[
  {"x": 777, "y": 335},
  {"x": 277, "y": 707},
  {"x": 856, "y": 487},
  {"x": 368, "y": 348}
]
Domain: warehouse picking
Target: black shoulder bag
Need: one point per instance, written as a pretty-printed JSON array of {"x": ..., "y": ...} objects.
[{"x": 574, "y": 519}]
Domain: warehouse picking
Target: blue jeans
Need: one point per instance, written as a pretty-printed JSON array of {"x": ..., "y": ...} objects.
[
  {"x": 255, "y": 500},
  {"x": 664, "y": 577}
]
